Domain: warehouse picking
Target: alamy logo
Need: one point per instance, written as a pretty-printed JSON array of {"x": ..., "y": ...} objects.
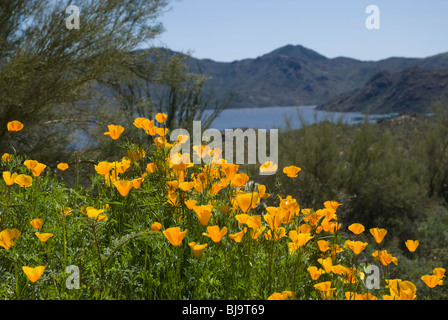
[
  {"x": 234, "y": 143},
  {"x": 373, "y": 21},
  {"x": 72, "y": 22}
]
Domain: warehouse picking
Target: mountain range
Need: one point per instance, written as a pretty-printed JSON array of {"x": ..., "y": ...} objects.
[{"x": 295, "y": 75}]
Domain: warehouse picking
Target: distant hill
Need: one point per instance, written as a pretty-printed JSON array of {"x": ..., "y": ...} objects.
[
  {"x": 410, "y": 91},
  {"x": 294, "y": 75}
]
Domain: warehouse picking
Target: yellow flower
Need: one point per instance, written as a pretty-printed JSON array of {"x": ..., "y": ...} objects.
[
  {"x": 315, "y": 272},
  {"x": 174, "y": 235},
  {"x": 135, "y": 154},
  {"x": 291, "y": 171},
  {"x": 432, "y": 280},
  {"x": 356, "y": 228},
  {"x": 247, "y": 201},
  {"x": 62, "y": 166},
  {"x": 412, "y": 245},
  {"x": 156, "y": 226},
  {"x": 278, "y": 234},
  {"x": 114, "y": 132},
  {"x": 37, "y": 170},
  {"x": 268, "y": 167},
  {"x": 323, "y": 245},
  {"x": 238, "y": 236},
  {"x": 299, "y": 239},
  {"x": 326, "y": 263},
  {"x": 378, "y": 234},
  {"x": 356, "y": 246},
  {"x": 6, "y": 157},
  {"x": 33, "y": 273},
  {"x": 173, "y": 199},
  {"x": 9, "y": 237},
  {"x": 400, "y": 290},
  {"x": 439, "y": 272},
  {"x": 204, "y": 213},
  {"x": 14, "y": 125},
  {"x": 215, "y": 233},
  {"x": 224, "y": 209},
  {"x": 66, "y": 211},
  {"x": 161, "y": 117},
  {"x": 385, "y": 257},
  {"x": 96, "y": 214},
  {"x": 150, "y": 167},
  {"x": 285, "y": 295},
  {"x": 190, "y": 203},
  {"x": 325, "y": 289},
  {"x": 239, "y": 180},
  {"x": 197, "y": 249},
  {"x": 123, "y": 186},
  {"x": 43, "y": 236},
  {"x": 255, "y": 233},
  {"x": 103, "y": 167},
  {"x": 24, "y": 180},
  {"x": 230, "y": 170},
  {"x": 37, "y": 223},
  {"x": 9, "y": 178},
  {"x": 262, "y": 192},
  {"x": 186, "y": 186}
]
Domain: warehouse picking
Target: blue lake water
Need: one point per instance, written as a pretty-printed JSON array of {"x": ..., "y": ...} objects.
[{"x": 277, "y": 117}]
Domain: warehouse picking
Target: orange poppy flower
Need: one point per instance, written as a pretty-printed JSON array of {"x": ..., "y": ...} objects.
[
  {"x": 238, "y": 237},
  {"x": 432, "y": 280},
  {"x": 123, "y": 186},
  {"x": 197, "y": 249},
  {"x": 325, "y": 289},
  {"x": 412, "y": 245},
  {"x": 239, "y": 180},
  {"x": 299, "y": 239},
  {"x": 315, "y": 272},
  {"x": 439, "y": 272},
  {"x": 291, "y": 171},
  {"x": 114, "y": 132},
  {"x": 37, "y": 223},
  {"x": 247, "y": 201},
  {"x": 9, "y": 178},
  {"x": 9, "y": 237},
  {"x": 204, "y": 213},
  {"x": 161, "y": 117},
  {"x": 174, "y": 235},
  {"x": 378, "y": 234},
  {"x": 156, "y": 226},
  {"x": 215, "y": 233},
  {"x": 62, "y": 166},
  {"x": 14, "y": 125},
  {"x": 268, "y": 168},
  {"x": 356, "y": 246},
  {"x": 24, "y": 180},
  {"x": 103, "y": 167},
  {"x": 356, "y": 228},
  {"x": 33, "y": 273},
  {"x": 43, "y": 236}
]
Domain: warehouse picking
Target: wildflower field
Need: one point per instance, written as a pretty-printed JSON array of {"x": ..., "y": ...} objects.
[{"x": 153, "y": 226}]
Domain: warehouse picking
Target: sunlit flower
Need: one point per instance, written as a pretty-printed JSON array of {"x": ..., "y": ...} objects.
[
  {"x": 356, "y": 246},
  {"x": 268, "y": 168},
  {"x": 114, "y": 132},
  {"x": 262, "y": 191},
  {"x": 400, "y": 290},
  {"x": 62, "y": 166},
  {"x": 230, "y": 170},
  {"x": 255, "y": 233},
  {"x": 66, "y": 211},
  {"x": 24, "y": 180},
  {"x": 174, "y": 199},
  {"x": 315, "y": 272},
  {"x": 97, "y": 214},
  {"x": 215, "y": 233},
  {"x": 37, "y": 170},
  {"x": 378, "y": 234},
  {"x": 9, "y": 178},
  {"x": 291, "y": 171},
  {"x": 9, "y": 237},
  {"x": 299, "y": 239},
  {"x": 204, "y": 213},
  {"x": 37, "y": 223},
  {"x": 285, "y": 295},
  {"x": 238, "y": 236},
  {"x": 224, "y": 209},
  {"x": 275, "y": 234},
  {"x": 439, "y": 272},
  {"x": 190, "y": 203},
  {"x": 161, "y": 117},
  {"x": 135, "y": 154},
  {"x": 326, "y": 263},
  {"x": 432, "y": 280},
  {"x": 33, "y": 273},
  {"x": 151, "y": 167},
  {"x": 186, "y": 186},
  {"x": 103, "y": 167},
  {"x": 14, "y": 125},
  {"x": 247, "y": 201},
  {"x": 325, "y": 289},
  {"x": 412, "y": 245},
  {"x": 197, "y": 249},
  {"x": 239, "y": 180},
  {"x": 43, "y": 236},
  {"x": 6, "y": 157},
  {"x": 156, "y": 226},
  {"x": 123, "y": 186},
  {"x": 323, "y": 245},
  {"x": 174, "y": 235},
  {"x": 356, "y": 228},
  {"x": 385, "y": 257}
]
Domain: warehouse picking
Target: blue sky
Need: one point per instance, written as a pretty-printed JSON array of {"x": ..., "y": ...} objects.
[{"x": 228, "y": 30}]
